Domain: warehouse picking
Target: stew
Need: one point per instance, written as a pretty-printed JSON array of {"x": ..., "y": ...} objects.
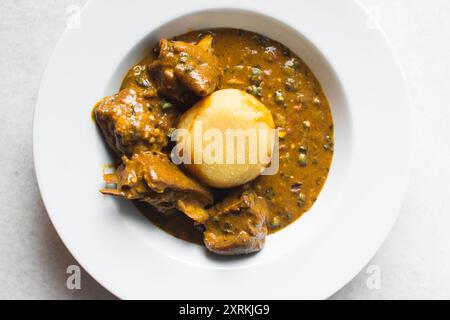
[{"x": 138, "y": 121}]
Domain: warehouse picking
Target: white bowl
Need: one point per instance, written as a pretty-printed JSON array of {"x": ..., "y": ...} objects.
[{"x": 313, "y": 257}]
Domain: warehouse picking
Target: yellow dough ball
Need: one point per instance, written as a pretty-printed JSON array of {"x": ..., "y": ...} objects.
[{"x": 231, "y": 136}]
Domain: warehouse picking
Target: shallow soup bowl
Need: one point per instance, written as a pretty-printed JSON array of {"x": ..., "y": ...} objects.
[{"x": 313, "y": 257}]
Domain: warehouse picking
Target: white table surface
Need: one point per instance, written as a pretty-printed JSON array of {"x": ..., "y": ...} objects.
[{"x": 415, "y": 259}]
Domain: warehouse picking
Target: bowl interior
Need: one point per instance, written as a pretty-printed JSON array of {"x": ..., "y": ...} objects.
[{"x": 298, "y": 233}]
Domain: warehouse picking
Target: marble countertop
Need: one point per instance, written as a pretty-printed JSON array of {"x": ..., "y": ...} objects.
[{"x": 414, "y": 261}]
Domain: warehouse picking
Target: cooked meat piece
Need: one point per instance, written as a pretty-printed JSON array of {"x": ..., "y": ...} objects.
[
  {"x": 153, "y": 178},
  {"x": 132, "y": 123},
  {"x": 237, "y": 225},
  {"x": 184, "y": 71},
  {"x": 194, "y": 209}
]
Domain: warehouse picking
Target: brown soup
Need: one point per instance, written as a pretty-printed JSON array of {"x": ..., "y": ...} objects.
[{"x": 285, "y": 84}]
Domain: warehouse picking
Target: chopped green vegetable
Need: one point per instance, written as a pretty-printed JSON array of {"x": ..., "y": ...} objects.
[
  {"x": 183, "y": 57},
  {"x": 141, "y": 77},
  {"x": 256, "y": 76},
  {"x": 303, "y": 149},
  {"x": 166, "y": 105},
  {"x": 291, "y": 84},
  {"x": 301, "y": 199},
  {"x": 303, "y": 160},
  {"x": 275, "y": 222},
  {"x": 170, "y": 132},
  {"x": 254, "y": 90},
  {"x": 279, "y": 97}
]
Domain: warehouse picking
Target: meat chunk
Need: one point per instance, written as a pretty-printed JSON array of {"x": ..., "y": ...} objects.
[
  {"x": 132, "y": 123},
  {"x": 237, "y": 225},
  {"x": 185, "y": 71},
  {"x": 153, "y": 178}
]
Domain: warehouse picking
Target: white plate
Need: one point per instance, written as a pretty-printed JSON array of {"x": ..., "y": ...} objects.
[{"x": 312, "y": 258}]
